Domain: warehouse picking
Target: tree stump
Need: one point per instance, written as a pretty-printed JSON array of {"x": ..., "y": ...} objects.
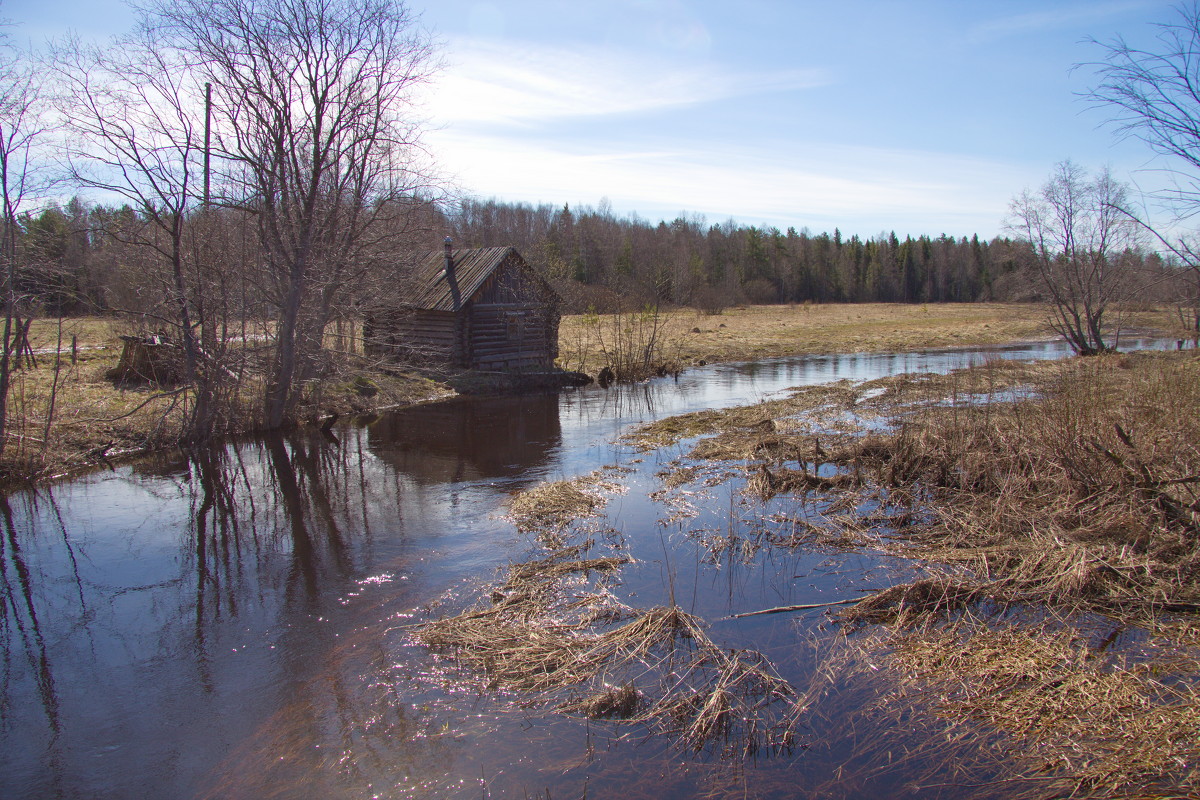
[{"x": 147, "y": 359}]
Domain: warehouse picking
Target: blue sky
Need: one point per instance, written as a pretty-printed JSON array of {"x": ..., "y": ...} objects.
[{"x": 866, "y": 115}]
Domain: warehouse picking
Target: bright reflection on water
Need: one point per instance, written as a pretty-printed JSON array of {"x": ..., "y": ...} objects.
[{"x": 232, "y": 622}]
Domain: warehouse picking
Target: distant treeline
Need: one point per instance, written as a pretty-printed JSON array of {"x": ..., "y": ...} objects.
[
  {"x": 79, "y": 261},
  {"x": 596, "y": 258}
]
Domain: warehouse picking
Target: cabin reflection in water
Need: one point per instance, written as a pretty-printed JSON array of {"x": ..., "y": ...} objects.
[{"x": 469, "y": 440}]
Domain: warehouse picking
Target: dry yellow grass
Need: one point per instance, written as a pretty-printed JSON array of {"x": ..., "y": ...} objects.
[
  {"x": 1073, "y": 482},
  {"x": 1048, "y": 501},
  {"x": 89, "y": 414},
  {"x": 1017, "y": 708},
  {"x": 64, "y": 414},
  {"x": 746, "y": 333},
  {"x": 92, "y": 334}
]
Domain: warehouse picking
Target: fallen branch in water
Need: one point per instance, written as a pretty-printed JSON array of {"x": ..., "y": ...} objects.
[{"x": 802, "y": 607}]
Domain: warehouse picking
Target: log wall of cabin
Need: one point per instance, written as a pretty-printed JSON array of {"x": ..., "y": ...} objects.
[
  {"x": 509, "y": 336},
  {"x": 513, "y": 322},
  {"x": 421, "y": 337},
  {"x": 510, "y": 323}
]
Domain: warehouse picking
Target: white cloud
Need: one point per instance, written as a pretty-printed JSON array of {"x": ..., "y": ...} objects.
[
  {"x": 863, "y": 190},
  {"x": 522, "y": 83}
]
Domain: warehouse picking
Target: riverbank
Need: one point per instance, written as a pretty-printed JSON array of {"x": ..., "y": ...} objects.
[
  {"x": 1050, "y": 644},
  {"x": 65, "y": 415}
]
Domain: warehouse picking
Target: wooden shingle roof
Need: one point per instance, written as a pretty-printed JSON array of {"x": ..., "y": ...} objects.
[{"x": 472, "y": 267}]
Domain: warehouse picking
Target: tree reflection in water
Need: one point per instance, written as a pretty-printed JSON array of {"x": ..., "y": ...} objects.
[
  {"x": 214, "y": 622},
  {"x": 230, "y": 622}
]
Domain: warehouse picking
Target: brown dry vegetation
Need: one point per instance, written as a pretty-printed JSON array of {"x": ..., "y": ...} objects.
[
  {"x": 1099, "y": 724},
  {"x": 983, "y": 707},
  {"x": 66, "y": 415},
  {"x": 1080, "y": 490},
  {"x": 552, "y": 630},
  {"x": 1051, "y": 647},
  {"x": 89, "y": 417},
  {"x": 1069, "y": 488},
  {"x": 751, "y": 332}
]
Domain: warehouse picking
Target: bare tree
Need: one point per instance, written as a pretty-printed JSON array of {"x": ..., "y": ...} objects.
[
  {"x": 133, "y": 113},
  {"x": 315, "y": 136},
  {"x": 1154, "y": 95},
  {"x": 1081, "y": 243},
  {"x": 22, "y": 132},
  {"x": 1175, "y": 281}
]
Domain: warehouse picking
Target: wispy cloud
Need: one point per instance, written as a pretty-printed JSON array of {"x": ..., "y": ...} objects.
[
  {"x": 1052, "y": 19},
  {"x": 506, "y": 83},
  {"x": 865, "y": 190}
]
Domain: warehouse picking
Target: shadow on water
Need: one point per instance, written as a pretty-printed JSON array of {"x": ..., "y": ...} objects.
[{"x": 230, "y": 622}]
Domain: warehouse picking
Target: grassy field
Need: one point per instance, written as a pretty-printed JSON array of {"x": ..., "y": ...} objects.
[{"x": 753, "y": 332}]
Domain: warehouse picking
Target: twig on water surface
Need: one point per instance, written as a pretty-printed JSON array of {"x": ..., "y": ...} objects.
[{"x": 801, "y": 607}]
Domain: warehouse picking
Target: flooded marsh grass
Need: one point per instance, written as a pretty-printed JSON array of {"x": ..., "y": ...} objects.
[
  {"x": 554, "y": 631},
  {"x": 1098, "y": 722},
  {"x": 244, "y": 620},
  {"x": 1084, "y": 496},
  {"x": 1070, "y": 488}
]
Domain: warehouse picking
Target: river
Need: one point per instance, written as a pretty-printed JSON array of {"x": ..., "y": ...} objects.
[{"x": 235, "y": 622}]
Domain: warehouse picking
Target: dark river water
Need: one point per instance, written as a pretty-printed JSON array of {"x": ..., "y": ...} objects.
[{"x": 234, "y": 622}]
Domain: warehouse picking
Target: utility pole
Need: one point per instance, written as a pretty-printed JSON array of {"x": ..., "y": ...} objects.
[{"x": 207, "y": 139}]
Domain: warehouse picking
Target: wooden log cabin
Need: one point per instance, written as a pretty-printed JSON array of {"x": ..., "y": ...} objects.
[{"x": 480, "y": 309}]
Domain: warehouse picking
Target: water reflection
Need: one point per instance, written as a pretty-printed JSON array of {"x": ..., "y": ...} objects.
[
  {"x": 223, "y": 622},
  {"x": 156, "y": 617},
  {"x": 21, "y": 633},
  {"x": 470, "y": 440}
]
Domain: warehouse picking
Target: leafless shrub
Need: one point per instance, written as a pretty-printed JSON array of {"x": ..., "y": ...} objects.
[
  {"x": 632, "y": 345},
  {"x": 710, "y": 300}
]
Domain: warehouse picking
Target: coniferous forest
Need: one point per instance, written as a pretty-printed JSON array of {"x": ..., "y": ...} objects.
[{"x": 594, "y": 257}]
